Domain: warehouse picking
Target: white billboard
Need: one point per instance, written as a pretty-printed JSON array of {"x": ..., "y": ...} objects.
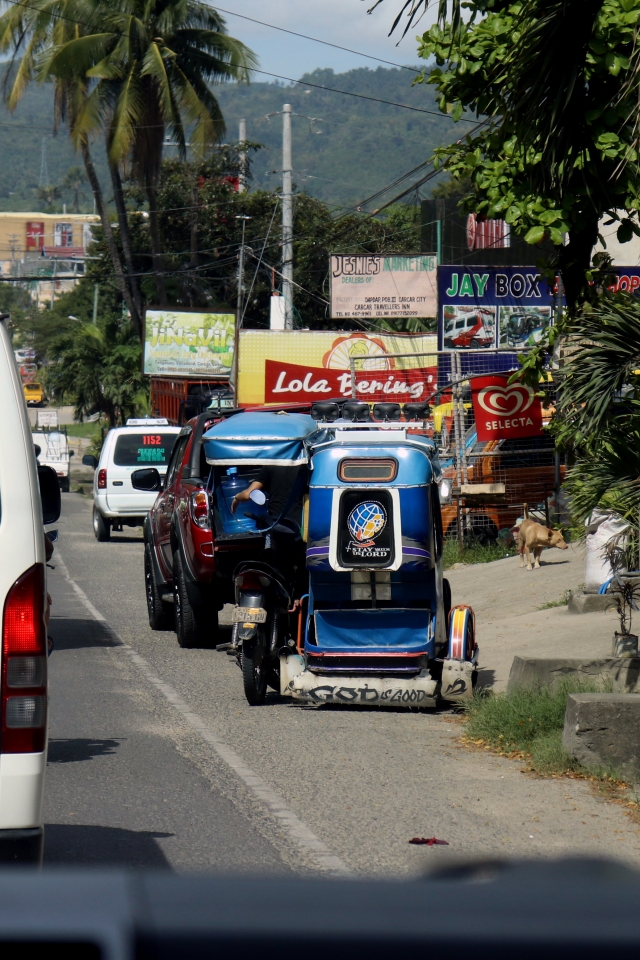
[{"x": 383, "y": 286}]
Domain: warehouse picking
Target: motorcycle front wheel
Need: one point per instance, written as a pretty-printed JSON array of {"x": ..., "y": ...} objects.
[{"x": 254, "y": 668}]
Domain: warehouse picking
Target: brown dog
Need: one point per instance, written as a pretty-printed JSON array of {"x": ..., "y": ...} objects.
[{"x": 534, "y": 538}]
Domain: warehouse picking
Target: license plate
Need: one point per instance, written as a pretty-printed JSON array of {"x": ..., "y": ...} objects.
[{"x": 249, "y": 615}]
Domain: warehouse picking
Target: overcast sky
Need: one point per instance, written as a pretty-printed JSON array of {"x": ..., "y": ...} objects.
[{"x": 344, "y": 22}]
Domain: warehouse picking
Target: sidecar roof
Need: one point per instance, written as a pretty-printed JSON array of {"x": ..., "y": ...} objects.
[{"x": 260, "y": 437}]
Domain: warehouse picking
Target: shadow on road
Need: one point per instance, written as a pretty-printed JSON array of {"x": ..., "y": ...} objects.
[
  {"x": 74, "y": 751},
  {"x": 85, "y": 844},
  {"x": 70, "y": 634}
]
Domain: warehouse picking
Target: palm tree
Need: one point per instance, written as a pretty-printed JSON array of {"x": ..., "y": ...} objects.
[
  {"x": 28, "y": 30},
  {"x": 47, "y": 194},
  {"x": 73, "y": 180},
  {"x": 153, "y": 62}
]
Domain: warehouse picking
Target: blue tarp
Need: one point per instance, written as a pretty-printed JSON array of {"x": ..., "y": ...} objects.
[
  {"x": 259, "y": 437},
  {"x": 371, "y": 631}
]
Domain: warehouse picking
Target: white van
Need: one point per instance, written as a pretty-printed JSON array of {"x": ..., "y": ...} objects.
[
  {"x": 55, "y": 453},
  {"x": 25, "y": 490},
  {"x": 143, "y": 442}
]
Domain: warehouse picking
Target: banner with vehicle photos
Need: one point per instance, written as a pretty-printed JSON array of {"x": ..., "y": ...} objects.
[{"x": 484, "y": 308}]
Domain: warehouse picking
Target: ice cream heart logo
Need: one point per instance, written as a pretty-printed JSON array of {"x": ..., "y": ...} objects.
[{"x": 506, "y": 401}]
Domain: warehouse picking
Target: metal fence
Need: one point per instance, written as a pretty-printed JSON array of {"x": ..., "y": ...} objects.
[{"x": 490, "y": 481}]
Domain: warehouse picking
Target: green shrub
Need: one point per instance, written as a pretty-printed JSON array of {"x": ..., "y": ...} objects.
[{"x": 529, "y": 720}]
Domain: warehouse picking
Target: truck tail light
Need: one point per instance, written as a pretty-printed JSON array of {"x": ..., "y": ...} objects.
[
  {"x": 102, "y": 479},
  {"x": 24, "y": 665},
  {"x": 199, "y": 508}
]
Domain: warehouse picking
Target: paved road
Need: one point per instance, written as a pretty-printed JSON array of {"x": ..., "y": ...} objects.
[{"x": 156, "y": 759}]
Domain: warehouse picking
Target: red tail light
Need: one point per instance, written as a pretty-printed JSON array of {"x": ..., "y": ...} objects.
[
  {"x": 102, "y": 479},
  {"x": 199, "y": 506},
  {"x": 250, "y": 580},
  {"x": 24, "y": 665}
]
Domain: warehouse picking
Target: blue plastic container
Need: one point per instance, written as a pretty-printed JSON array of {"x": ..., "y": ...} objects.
[{"x": 236, "y": 522}]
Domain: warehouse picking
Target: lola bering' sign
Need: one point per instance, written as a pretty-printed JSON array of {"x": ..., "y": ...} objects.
[{"x": 376, "y": 286}]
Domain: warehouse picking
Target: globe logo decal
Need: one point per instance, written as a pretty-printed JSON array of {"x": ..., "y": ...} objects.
[{"x": 367, "y": 520}]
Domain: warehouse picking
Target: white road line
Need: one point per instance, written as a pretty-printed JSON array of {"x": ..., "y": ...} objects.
[{"x": 299, "y": 832}]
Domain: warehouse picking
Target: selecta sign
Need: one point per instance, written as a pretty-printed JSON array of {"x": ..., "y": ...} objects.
[
  {"x": 292, "y": 366},
  {"x": 505, "y": 411}
]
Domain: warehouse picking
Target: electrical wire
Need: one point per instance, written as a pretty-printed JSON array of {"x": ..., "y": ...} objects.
[
  {"x": 326, "y": 43},
  {"x": 259, "y": 262},
  {"x": 277, "y": 76}
]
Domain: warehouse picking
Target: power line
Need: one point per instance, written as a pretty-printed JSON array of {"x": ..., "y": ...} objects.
[
  {"x": 326, "y": 43},
  {"x": 360, "y": 96},
  {"x": 277, "y": 76}
]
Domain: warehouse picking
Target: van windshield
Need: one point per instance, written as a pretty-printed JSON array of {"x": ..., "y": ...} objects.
[{"x": 132, "y": 449}]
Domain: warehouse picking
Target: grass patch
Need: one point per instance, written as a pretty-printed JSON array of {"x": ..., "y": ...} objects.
[
  {"x": 474, "y": 552},
  {"x": 527, "y": 723},
  {"x": 88, "y": 431},
  {"x": 561, "y": 602}
]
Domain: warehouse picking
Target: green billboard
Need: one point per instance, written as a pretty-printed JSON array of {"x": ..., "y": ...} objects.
[{"x": 188, "y": 344}]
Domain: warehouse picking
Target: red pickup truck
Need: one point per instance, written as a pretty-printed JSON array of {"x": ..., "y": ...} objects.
[
  {"x": 179, "y": 565},
  {"x": 188, "y": 577}
]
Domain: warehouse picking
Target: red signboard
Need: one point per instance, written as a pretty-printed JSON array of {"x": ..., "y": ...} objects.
[
  {"x": 292, "y": 381},
  {"x": 505, "y": 411},
  {"x": 35, "y": 235}
]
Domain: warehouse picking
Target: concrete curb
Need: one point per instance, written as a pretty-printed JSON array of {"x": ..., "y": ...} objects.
[
  {"x": 622, "y": 673},
  {"x": 580, "y": 602},
  {"x": 603, "y": 730}
]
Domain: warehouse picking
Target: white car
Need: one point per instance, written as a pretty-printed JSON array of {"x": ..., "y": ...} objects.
[
  {"x": 141, "y": 443},
  {"x": 29, "y": 496}
]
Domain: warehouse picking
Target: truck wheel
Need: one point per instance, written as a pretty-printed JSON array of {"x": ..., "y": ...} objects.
[
  {"x": 101, "y": 527},
  {"x": 65, "y": 485},
  {"x": 194, "y": 626},
  {"x": 160, "y": 616},
  {"x": 254, "y": 668}
]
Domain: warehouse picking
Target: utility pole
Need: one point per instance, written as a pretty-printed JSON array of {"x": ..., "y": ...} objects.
[
  {"x": 242, "y": 137},
  {"x": 241, "y": 271},
  {"x": 287, "y": 219},
  {"x": 44, "y": 169}
]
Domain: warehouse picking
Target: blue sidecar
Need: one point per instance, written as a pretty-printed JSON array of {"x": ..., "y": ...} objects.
[{"x": 378, "y": 627}]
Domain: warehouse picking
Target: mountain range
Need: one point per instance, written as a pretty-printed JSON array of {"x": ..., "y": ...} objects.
[{"x": 345, "y": 148}]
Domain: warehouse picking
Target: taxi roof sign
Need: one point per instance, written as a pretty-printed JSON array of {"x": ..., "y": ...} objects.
[{"x": 147, "y": 422}]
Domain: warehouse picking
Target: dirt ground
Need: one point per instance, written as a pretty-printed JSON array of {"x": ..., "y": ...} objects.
[{"x": 507, "y": 600}]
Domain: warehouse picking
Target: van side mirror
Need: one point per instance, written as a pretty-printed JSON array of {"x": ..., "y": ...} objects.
[
  {"x": 147, "y": 479},
  {"x": 49, "y": 494},
  {"x": 89, "y": 461},
  {"x": 71, "y": 453}
]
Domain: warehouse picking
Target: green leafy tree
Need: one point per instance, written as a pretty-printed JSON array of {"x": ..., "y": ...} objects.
[
  {"x": 98, "y": 369},
  {"x": 48, "y": 194},
  {"x": 28, "y": 32},
  {"x": 557, "y": 85},
  {"x": 201, "y": 234}
]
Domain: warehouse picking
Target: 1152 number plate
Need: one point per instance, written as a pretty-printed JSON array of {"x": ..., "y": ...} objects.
[{"x": 249, "y": 615}]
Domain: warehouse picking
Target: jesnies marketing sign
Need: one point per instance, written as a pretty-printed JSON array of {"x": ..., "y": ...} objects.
[{"x": 392, "y": 286}]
